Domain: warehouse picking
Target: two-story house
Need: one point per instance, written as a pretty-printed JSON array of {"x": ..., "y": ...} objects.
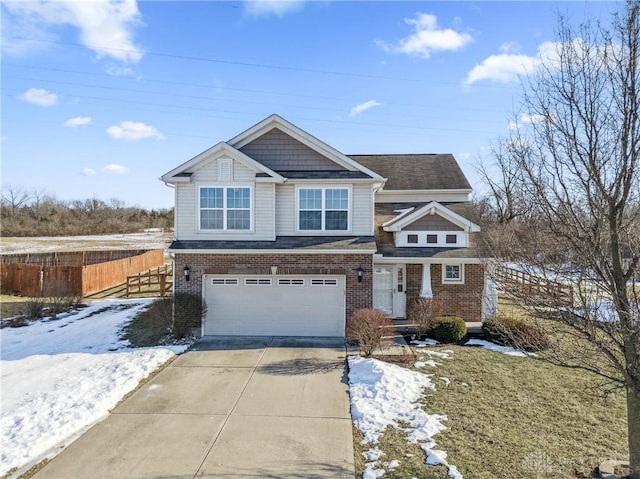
[{"x": 284, "y": 235}]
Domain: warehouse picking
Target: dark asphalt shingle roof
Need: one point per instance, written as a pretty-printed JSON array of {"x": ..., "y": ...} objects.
[
  {"x": 416, "y": 172},
  {"x": 282, "y": 242}
]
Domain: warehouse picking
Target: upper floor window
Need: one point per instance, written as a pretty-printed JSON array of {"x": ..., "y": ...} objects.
[
  {"x": 225, "y": 208},
  {"x": 323, "y": 209}
]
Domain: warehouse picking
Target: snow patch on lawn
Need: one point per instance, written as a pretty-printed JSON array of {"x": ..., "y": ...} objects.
[
  {"x": 497, "y": 348},
  {"x": 426, "y": 342},
  {"x": 430, "y": 362},
  {"x": 59, "y": 377},
  {"x": 383, "y": 395}
]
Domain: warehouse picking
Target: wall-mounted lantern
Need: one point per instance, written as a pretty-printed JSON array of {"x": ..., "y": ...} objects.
[
  {"x": 187, "y": 272},
  {"x": 360, "y": 273}
]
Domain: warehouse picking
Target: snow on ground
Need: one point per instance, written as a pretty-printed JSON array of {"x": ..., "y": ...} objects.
[
  {"x": 425, "y": 342},
  {"x": 59, "y": 377},
  {"x": 44, "y": 244},
  {"x": 497, "y": 348},
  {"x": 384, "y": 394}
]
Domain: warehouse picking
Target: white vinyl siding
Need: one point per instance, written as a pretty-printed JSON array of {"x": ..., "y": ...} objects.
[
  {"x": 362, "y": 210},
  {"x": 361, "y": 214},
  {"x": 285, "y": 210},
  {"x": 187, "y": 205}
]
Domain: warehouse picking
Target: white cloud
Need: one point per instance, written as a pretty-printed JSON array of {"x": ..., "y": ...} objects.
[
  {"x": 116, "y": 169},
  {"x": 117, "y": 71},
  {"x": 131, "y": 130},
  {"x": 106, "y": 26},
  {"x": 275, "y": 7},
  {"x": 356, "y": 110},
  {"x": 526, "y": 119},
  {"x": 510, "y": 47},
  {"x": 39, "y": 96},
  {"x": 427, "y": 38},
  {"x": 78, "y": 121},
  {"x": 507, "y": 66},
  {"x": 88, "y": 171}
]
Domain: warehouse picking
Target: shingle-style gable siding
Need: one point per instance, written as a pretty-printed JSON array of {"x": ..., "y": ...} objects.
[
  {"x": 432, "y": 223},
  {"x": 278, "y": 151}
]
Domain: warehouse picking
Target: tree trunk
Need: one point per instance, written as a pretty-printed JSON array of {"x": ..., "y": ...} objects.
[{"x": 633, "y": 420}]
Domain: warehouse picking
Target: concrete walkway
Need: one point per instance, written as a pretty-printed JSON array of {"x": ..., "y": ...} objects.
[{"x": 230, "y": 408}]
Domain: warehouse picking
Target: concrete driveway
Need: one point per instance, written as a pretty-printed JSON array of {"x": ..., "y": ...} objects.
[{"x": 229, "y": 408}]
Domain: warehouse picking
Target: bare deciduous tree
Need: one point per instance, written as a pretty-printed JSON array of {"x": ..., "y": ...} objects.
[{"x": 579, "y": 167}]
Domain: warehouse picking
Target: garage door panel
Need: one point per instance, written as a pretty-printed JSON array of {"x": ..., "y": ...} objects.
[{"x": 290, "y": 306}]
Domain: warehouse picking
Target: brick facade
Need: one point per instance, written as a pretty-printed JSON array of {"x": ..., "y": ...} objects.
[
  {"x": 358, "y": 295},
  {"x": 464, "y": 300}
]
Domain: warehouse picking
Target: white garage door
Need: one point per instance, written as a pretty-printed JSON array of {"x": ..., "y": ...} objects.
[{"x": 274, "y": 305}]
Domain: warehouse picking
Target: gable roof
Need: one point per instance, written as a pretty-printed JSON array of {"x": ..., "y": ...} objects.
[
  {"x": 385, "y": 243},
  {"x": 417, "y": 171},
  {"x": 184, "y": 171},
  {"x": 404, "y": 219},
  {"x": 276, "y": 121}
]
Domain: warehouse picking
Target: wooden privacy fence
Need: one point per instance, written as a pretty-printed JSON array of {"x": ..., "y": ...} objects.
[
  {"x": 155, "y": 281},
  {"x": 533, "y": 289},
  {"x": 74, "y": 273}
]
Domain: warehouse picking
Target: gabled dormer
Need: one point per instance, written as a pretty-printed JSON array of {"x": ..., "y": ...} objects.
[{"x": 430, "y": 226}]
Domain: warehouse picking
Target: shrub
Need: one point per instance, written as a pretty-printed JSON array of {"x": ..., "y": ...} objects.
[
  {"x": 367, "y": 327},
  {"x": 423, "y": 313},
  {"x": 152, "y": 326},
  {"x": 187, "y": 315},
  {"x": 166, "y": 319},
  {"x": 33, "y": 308},
  {"x": 449, "y": 329},
  {"x": 59, "y": 297},
  {"x": 516, "y": 333}
]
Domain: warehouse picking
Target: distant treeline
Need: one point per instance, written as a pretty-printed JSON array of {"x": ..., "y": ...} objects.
[{"x": 33, "y": 213}]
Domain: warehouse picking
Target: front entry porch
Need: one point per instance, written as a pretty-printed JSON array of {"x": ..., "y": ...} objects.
[{"x": 389, "y": 289}]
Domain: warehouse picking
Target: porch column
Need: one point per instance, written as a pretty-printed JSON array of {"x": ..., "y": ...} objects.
[{"x": 425, "y": 290}]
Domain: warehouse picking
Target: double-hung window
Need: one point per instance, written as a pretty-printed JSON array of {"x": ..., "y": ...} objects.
[
  {"x": 225, "y": 208},
  {"x": 323, "y": 209}
]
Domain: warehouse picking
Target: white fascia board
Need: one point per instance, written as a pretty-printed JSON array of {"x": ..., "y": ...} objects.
[
  {"x": 302, "y": 136},
  {"x": 415, "y": 196},
  {"x": 401, "y": 214},
  {"x": 327, "y": 181},
  {"x": 410, "y": 260},
  {"x": 215, "y": 152},
  {"x": 436, "y": 208},
  {"x": 274, "y": 251},
  {"x": 176, "y": 179}
]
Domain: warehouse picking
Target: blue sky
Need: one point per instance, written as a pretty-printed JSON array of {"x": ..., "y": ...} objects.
[{"x": 100, "y": 98}]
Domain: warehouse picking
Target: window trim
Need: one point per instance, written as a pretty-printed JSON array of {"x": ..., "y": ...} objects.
[
  {"x": 446, "y": 280},
  {"x": 323, "y": 188},
  {"x": 225, "y": 187}
]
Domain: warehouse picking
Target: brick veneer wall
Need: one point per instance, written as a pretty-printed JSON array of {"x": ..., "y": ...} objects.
[
  {"x": 464, "y": 300},
  {"x": 359, "y": 295}
]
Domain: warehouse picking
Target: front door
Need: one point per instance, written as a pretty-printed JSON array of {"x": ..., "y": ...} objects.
[{"x": 389, "y": 286}]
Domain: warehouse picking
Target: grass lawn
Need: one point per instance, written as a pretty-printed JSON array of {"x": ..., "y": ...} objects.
[{"x": 513, "y": 418}]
